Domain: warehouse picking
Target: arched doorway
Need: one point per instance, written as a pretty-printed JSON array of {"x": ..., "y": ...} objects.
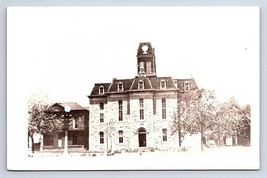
[{"x": 142, "y": 137}]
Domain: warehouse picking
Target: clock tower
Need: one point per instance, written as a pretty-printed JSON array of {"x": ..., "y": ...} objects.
[{"x": 146, "y": 60}]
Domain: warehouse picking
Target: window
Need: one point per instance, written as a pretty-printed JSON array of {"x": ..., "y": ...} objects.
[
  {"x": 120, "y": 110},
  {"x": 101, "y": 106},
  {"x": 186, "y": 86},
  {"x": 141, "y": 85},
  {"x": 101, "y": 117},
  {"x": 128, "y": 107},
  {"x": 120, "y": 86},
  {"x": 148, "y": 67},
  {"x": 101, "y": 136},
  {"x": 120, "y": 136},
  {"x": 163, "y": 101},
  {"x": 141, "y": 106},
  {"x": 164, "y": 135},
  {"x": 101, "y": 90},
  {"x": 163, "y": 84},
  {"x": 141, "y": 68},
  {"x": 175, "y": 83},
  {"x": 75, "y": 123},
  {"x": 154, "y": 106}
]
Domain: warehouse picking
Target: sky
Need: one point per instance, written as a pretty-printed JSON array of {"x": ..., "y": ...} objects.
[{"x": 63, "y": 51}]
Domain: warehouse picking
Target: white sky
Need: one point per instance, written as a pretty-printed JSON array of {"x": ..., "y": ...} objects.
[{"x": 64, "y": 51}]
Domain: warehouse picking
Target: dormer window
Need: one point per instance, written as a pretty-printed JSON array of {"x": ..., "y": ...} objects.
[
  {"x": 162, "y": 84},
  {"x": 120, "y": 86},
  {"x": 175, "y": 83},
  {"x": 186, "y": 86},
  {"x": 141, "y": 85},
  {"x": 101, "y": 90}
]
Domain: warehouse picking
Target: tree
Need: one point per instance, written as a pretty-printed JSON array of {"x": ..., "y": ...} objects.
[
  {"x": 110, "y": 134},
  {"x": 200, "y": 112},
  {"x": 233, "y": 120},
  {"x": 178, "y": 125},
  {"x": 41, "y": 117},
  {"x": 196, "y": 113}
]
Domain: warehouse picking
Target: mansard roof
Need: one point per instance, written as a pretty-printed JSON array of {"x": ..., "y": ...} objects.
[
  {"x": 150, "y": 83},
  {"x": 155, "y": 81},
  {"x": 125, "y": 82},
  {"x": 180, "y": 83},
  {"x": 95, "y": 90},
  {"x": 147, "y": 83}
]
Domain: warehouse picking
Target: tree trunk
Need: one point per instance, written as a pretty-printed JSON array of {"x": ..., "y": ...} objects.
[
  {"x": 202, "y": 136},
  {"x": 219, "y": 135},
  {"x": 32, "y": 143},
  {"x": 179, "y": 134},
  {"x": 236, "y": 138}
]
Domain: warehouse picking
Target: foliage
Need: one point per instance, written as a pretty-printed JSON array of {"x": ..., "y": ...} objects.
[
  {"x": 233, "y": 120},
  {"x": 200, "y": 112},
  {"x": 41, "y": 117}
]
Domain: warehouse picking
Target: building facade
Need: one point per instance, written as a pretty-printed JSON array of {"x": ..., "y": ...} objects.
[
  {"x": 128, "y": 114},
  {"x": 78, "y": 129}
]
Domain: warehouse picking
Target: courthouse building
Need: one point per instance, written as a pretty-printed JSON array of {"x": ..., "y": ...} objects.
[{"x": 127, "y": 114}]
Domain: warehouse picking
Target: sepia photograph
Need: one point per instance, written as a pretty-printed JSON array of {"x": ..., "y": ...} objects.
[{"x": 133, "y": 88}]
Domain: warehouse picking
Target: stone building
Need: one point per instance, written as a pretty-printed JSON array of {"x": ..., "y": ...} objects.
[{"x": 127, "y": 114}]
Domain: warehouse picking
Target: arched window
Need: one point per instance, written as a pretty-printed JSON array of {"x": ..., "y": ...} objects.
[
  {"x": 101, "y": 90},
  {"x": 148, "y": 67},
  {"x": 162, "y": 84},
  {"x": 120, "y": 86},
  {"x": 141, "y": 84},
  {"x": 141, "y": 68}
]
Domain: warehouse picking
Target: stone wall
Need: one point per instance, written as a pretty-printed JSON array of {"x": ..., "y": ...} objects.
[{"x": 152, "y": 123}]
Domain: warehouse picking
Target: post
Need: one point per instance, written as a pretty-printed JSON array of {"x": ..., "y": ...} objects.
[
  {"x": 66, "y": 124},
  {"x": 66, "y": 143}
]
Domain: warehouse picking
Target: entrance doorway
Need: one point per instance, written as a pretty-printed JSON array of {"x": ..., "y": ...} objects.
[
  {"x": 75, "y": 139},
  {"x": 142, "y": 137}
]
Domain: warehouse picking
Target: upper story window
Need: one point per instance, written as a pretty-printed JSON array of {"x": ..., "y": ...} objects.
[
  {"x": 141, "y": 108},
  {"x": 141, "y": 68},
  {"x": 162, "y": 84},
  {"x": 101, "y": 106},
  {"x": 101, "y": 90},
  {"x": 75, "y": 123},
  {"x": 148, "y": 67},
  {"x": 101, "y": 117},
  {"x": 120, "y": 110},
  {"x": 141, "y": 84},
  {"x": 186, "y": 86},
  {"x": 163, "y": 101},
  {"x": 120, "y": 86}
]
